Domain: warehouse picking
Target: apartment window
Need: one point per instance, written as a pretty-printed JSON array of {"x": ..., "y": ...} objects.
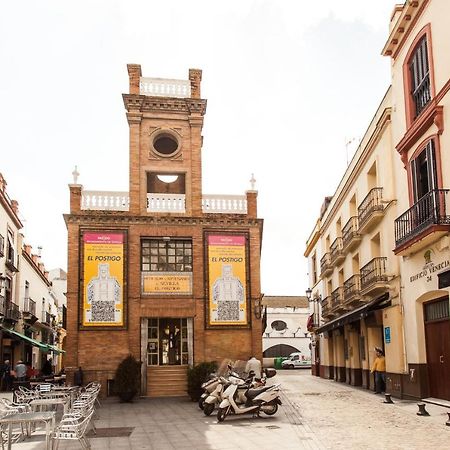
[
  {"x": 10, "y": 256},
  {"x": 314, "y": 269},
  {"x": 419, "y": 71},
  {"x": 2, "y": 245},
  {"x": 166, "y": 255},
  {"x": 424, "y": 172}
]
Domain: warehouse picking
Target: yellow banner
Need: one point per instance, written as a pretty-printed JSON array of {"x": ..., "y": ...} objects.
[
  {"x": 103, "y": 280},
  {"x": 167, "y": 283},
  {"x": 227, "y": 280}
]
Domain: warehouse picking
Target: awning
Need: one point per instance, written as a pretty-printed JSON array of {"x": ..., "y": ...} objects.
[
  {"x": 356, "y": 314},
  {"x": 54, "y": 349},
  {"x": 43, "y": 347}
]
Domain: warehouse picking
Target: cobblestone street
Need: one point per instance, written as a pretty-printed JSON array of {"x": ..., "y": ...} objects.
[{"x": 316, "y": 414}]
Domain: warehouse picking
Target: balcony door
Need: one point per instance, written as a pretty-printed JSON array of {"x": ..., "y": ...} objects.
[{"x": 423, "y": 172}]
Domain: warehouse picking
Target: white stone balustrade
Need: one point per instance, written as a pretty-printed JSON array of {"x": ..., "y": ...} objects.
[
  {"x": 225, "y": 204},
  {"x": 120, "y": 201},
  {"x": 166, "y": 203},
  {"x": 163, "y": 87},
  {"x": 105, "y": 200}
]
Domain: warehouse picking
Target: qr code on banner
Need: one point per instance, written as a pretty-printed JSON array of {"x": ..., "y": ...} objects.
[
  {"x": 228, "y": 311},
  {"x": 102, "y": 312}
]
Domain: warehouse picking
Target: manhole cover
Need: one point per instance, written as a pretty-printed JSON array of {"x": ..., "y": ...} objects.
[{"x": 111, "y": 432}]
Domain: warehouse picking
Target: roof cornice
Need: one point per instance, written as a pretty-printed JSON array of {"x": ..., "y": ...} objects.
[{"x": 411, "y": 12}]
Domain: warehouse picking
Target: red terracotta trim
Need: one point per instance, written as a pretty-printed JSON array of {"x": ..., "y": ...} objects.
[
  {"x": 431, "y": 114},
  {"x": 409, "y": 103},
  {"x": 423, "y": 234}
]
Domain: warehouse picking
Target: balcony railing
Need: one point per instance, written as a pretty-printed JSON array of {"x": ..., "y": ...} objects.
[
  {"x": 432, "y": 209},
  {"x": 46, "y": 317},
  {"x": 12, "y": 312},
  {"x": 374, "y": 272},
  {"x": 120, "y": 201},
  {"x": 325, "y": 264},
  {"x": 336, "y": 253},
  {"x": 105, "y": 200},
  {"x": 371, "y": 204},
  {"x": 326, "y": 306},
  {"x": 350, "y": 233},
  {"x": 336, "y": 298},
  {"x": 352, "y": 289},
  {"x": 166, "y": 203},
  {"x": 230, "y": 204},
  {"x": 29, "y": 306},
  {"x": 163, "y": 87}
]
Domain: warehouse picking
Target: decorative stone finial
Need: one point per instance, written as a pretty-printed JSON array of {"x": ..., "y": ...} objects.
[
  {"x": 252, "y": 182},
  {"x": 75, "y": 174}
]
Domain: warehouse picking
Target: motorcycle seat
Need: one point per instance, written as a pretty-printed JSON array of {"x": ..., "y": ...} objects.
[{"x": 252, "y": 393}]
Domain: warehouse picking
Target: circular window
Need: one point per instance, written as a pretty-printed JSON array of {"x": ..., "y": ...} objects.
[
  {"x": 278, "y": 325},
  {"x": 165, "y": 144}
]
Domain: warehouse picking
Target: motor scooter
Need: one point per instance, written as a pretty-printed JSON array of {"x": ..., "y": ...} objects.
[
  {"x": 216, "y": 396},
  {"x": 265, "y": 399},
  {"x": 208, "y": 387}
]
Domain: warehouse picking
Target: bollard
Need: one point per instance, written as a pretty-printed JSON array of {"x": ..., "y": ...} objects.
[
  {"x": 422, "y": 410},
  {"x": 387, "y": 398},
  {"x": 448, "y": 421}
]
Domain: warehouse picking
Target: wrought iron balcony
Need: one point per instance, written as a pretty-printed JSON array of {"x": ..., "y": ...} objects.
[
  {"x": 350, "y": 234},
  {"x": 326, "y": 307},
  {"x": 12, "y": 312},
  {"x": 29, "y": 308},
  {"x": 336, "y": 253},
  {"x": 429, "y": 215},
  {"x": 337, "y": 300},
  {"x": 371, "y": 209},
  {"x": 325, "y": 265},
  {"x": 352, "y": 290},
  {"x": 46, "y": 318},
  {"x": 373, "y": 276}
]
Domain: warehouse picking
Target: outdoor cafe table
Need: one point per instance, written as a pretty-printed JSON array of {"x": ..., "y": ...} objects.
[
  {"x": 50, "y": 402},
  {"x": 29, "y": 418}
]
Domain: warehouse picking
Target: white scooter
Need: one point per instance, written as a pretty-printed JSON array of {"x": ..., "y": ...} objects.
[
  {"x": 216, "y": 396},
  {"x": 265, "y": 399},
  {"x": 209, "y": 387}
]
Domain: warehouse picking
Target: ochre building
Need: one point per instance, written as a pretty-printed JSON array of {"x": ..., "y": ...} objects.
[{"x": 162, "y": 272}]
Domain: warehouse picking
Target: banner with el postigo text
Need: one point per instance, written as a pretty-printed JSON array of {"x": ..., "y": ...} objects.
[
  {"x": 103, "y": 270},
  {"x": 227, "y": 280}
]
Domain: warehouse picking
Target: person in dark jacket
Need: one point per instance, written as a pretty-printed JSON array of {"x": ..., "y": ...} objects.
[
  {"x": 6, "y": 376},
  {"x": 78, "y": 377}
]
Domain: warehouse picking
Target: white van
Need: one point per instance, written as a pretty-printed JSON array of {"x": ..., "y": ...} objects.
[{"x": 297, "y": 359}]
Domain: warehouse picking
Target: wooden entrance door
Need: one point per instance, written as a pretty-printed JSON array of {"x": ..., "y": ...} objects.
[{"x": 437, "y": 334}]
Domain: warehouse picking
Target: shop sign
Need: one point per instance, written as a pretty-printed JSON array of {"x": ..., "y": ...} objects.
[
  {"x": 387, "y": 335},
  {"x": 167, "y": 283},
  {"x": 103, "y": 275},
  {"x": 429, "y": 268}
]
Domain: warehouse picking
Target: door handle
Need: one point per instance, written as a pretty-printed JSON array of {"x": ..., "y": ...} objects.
[{"x": 441, "y": 359}]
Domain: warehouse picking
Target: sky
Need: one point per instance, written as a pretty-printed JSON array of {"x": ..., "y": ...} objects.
[{"x": 288, "y": 84}]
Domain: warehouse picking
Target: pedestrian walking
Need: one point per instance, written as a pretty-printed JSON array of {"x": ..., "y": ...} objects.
[
  {"x": 379, "y": 369},
  {"x": 6, "y": 375}
]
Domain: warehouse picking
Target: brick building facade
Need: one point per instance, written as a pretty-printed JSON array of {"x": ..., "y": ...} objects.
[{"x": 163, "y": 272}]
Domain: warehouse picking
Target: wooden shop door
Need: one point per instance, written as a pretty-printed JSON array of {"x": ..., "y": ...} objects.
[{"x": 437, "y": 335}]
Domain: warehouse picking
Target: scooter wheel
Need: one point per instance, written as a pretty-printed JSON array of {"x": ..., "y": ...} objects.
[
  {"x": 270, "y": 410},
  {"x": 201, "y": 403},
  {"x": 222, "y": 413},
  {"x": 208, "y": 408}
]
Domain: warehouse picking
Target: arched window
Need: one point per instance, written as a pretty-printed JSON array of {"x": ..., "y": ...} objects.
[{"x": 278, "y": 325}]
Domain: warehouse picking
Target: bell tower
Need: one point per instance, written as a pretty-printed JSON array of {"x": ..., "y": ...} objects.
[{"x": 165, "y": 117}]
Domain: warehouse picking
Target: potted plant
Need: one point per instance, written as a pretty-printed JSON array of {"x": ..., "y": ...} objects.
[
  {"x": 127, "y": 379},
  {"x": 197, "y": 375}
]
